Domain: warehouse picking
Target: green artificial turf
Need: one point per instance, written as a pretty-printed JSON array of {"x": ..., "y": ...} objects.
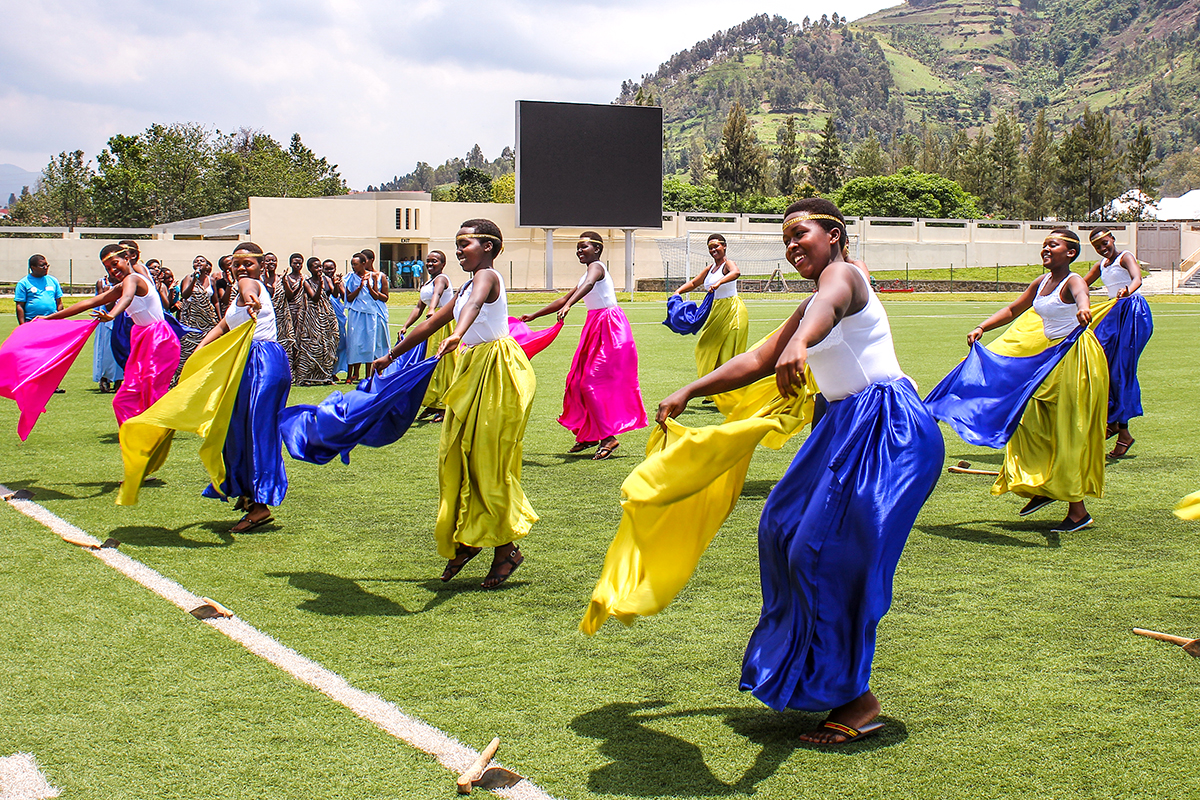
[{"x": 1006, "y": 667}]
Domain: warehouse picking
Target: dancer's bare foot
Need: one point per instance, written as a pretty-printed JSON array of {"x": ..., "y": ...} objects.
[{"x": 856, "y": 715}]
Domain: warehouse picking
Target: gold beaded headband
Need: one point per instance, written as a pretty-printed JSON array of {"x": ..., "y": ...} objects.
[
  {"x": 477, "y": 236},
  {"x": 1064, "y": 238},
  {"x": 588, "y": 239},
  {"x": 804, "y": 216},
  {"x": 1097, "y": 234}
]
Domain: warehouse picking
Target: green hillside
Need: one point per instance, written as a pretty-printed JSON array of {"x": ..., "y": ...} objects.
[{"x": 947, "y": 65}]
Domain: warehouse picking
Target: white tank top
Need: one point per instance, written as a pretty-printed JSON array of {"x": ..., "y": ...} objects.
[
  {"x": 146, "y": 310},
  {"x": 603, "y": 294},
  {"x": 1058, "y": 318},
  {"x": 725, "y": 289},
  {"x": 264, "y": 326},
  {"x": 1115, "y": 276},
  {"x": 857, "y": 352},
  {"x": 492, "y": 321},
  {"x": 427, "y": 293}
]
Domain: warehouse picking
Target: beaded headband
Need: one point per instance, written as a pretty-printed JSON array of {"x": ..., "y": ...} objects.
[
  {"x": 588, "y": 239},
  {"x": 477, "y": 236},
  {"x": 804, "y": 216},
  {"x": 1097, "y": 234},
  {"x": 1064, "y": 238}
]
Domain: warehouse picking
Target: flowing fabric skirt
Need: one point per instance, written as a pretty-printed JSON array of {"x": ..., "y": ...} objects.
[
  {"x": 1057, "y": 450},
  {"x": 196, "y": 312},
  {"x": 487, "y": 407},
  {"x": 339, "y": 311},
  {"x": 153, "y": 359},
  {"x": 253, "y": 451},
  {"x": 1123, "y": 334},
  {"x": 363, "y": 341},
  {"x": 603, "y": 397},
  {"x": 724, "y": 335},
  {"x": 830, "y": 538},
  {"x": 104, "y": 363},
  {"x": 439, "y": 384}
]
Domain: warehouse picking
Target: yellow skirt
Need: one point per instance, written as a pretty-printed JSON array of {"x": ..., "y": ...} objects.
[
  {"x": 443, "y": 374},
  {"x": 1058, "y": 449},
  {"x": 724, "y": 335},
  {"x": 1189, "y": 507},
  {"x": 487, "y": 408}
]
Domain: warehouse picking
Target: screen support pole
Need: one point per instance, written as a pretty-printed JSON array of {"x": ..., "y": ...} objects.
[
  {"x": 629, "y": 261},
  {"x": 549, "y": 259}
]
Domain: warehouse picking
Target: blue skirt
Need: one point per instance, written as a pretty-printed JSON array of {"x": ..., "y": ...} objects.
[
  {"x": 1123, "y": 335},
  {"x": 104, "y": 363},
  {"x": 339, "y": 311},
  {"x": 829, "y": 541},
  {"x": 366, "y": 336},
  {"x": 253, "y": 449}
]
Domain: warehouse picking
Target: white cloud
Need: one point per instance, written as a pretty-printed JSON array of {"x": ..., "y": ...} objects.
[{"x": 373, "y": 86}]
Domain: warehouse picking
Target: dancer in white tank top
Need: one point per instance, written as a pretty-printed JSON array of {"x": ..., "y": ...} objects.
[
  {"x": 1045, "y": 461},
  {"x": 1123, "y": 334},
  {"x": 726, "y": 332},
  {"x": 487, "y": 409},
  {"x": 603, "y": 397}
]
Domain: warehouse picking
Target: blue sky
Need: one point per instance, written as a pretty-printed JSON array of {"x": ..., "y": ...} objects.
[{"x": 373, "y": 86}]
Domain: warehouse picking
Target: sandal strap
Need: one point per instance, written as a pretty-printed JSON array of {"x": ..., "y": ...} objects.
[{"x": 840, "y": 728}]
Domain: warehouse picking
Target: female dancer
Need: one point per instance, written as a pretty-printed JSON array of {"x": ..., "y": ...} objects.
[
  {"x": 361, "y": 321},
  {"x": 317, "y": 339},
  {"x": 284, "y": 334},
  {"x": 435, "y": 293},
  {"x": 337, "y": 297},
  {"x": 487, "y": 408},
  {"x": 225, "y": 283},
  {"x": 293, "y": 290},
  {"x": 1057, "y": 452},
  {"x": 727, "y": 329},
  {"x": 270, "y": 277},
  {"x": 1123, "y": 334},
  {"x": 253, "y": 451},
  {"x": 198, "y": 309},
  {"x": 603, "y": 397},
  {"x": 378, "y": 287},
  {"x": 105, "y": 369},
  {"x": 828, "y": 546},
  {"x": 154, "y": 348}
]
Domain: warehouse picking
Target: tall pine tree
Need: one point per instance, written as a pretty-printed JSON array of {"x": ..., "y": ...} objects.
[
  {"x": 788, "y": 158},
  {"x": 740, "y": 166},
  {"x": 1037, "y": 171},
  {"x": 826, "y": 171}
]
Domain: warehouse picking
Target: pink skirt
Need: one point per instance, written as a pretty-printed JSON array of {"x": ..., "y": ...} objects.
[
  {"x": 603, "y": 397},
  {"x": 153, "y": 358}
]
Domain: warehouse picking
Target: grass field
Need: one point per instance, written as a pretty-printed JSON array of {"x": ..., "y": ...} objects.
[{"x": 1006, "y": 667}]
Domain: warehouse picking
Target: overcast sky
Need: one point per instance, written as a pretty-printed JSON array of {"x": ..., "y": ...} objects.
[{"x": 372, "y": 86}]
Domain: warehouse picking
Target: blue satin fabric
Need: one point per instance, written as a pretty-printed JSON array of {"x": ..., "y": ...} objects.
[
  {"x": 375, "y": 414},
  {"x": 122, "y": 329},
  {"x": 253, "y": 453},
  {"x": 829, "y": 541},
  {"x": 339, "y": 311},
  {"x": 684, "y": 316},
  {"x": 1123, "y": 334},
  {"x": 984, "y": 397}
]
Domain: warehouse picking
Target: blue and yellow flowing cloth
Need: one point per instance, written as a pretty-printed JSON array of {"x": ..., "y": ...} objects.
[
  {"x": 1123, "y": 334},
  {"x": 1189, "y": 507},
  {"x": 724, "y": 335},
  {"x": 202, "y": 402},
  {"x": 675, "y": 501},
  {"x": 1057, "y": 450},
  {"x": 685, "y": 317},
  {"x": 443, "y": 374},
  {"x": 481, "y": 502}
]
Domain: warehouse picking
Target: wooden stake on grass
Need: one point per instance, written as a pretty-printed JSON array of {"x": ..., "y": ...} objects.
[
  {"x": 1190, "y": 646},
  {"x": 964, "y": 468},
  {"x": 475, "y": 772}
]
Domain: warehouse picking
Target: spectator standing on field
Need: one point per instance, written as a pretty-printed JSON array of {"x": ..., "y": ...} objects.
[{"x": 38, "y": 294}]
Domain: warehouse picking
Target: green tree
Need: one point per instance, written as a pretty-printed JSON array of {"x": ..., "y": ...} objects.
[
  {"x": 474, "y": 186},
  {"x": 1037, "y": 171},
  {"x": 956, "y": 150},
  {"x": 1088, "y": 168},
  {"x": 931, "y": 159},
  {"x": 424, "y": 175},
  {"x": 121, "y": 189},
  {"x": 66, "y": 180},
  {"x": 825, "y": 170},
  {"x": 976, "y": 173},
  {"x": 906, "y": 150},
  {"x": 788, "y": 157},
  {"x": 179, "y": 159},
  {"x": 1139, "y": 164},
  {"x": 1006, "y": 157},
  {"x": 868, "y": 159},
  {"x": 476, "y": 158},
  {"x": 504, "y": 188},
  {"x": 906, "y": 193},
  {"x": 696, "y": 159},
  {"x": 740, "y": 165}
]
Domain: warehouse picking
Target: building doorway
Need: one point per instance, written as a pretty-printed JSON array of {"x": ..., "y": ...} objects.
[{"x": 403, "y": 262}]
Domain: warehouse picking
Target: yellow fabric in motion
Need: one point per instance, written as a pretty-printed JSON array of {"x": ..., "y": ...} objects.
[
  {"x": 1058, "y": 449},
  {"x": 1189, "y": 507},
  {"x": 202, "y": 402},
  {"x": 724, "y": 335},
  {"x": 443, "y": 374},
  {"x": 487, "y": 407},
  {"x": 675, "y": 501},
  {"x": 750, "y": 400}
]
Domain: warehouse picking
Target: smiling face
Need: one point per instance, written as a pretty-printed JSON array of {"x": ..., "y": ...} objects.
[
  {"x": 1057, "y": 252},
  {"x": 434, "y": 263},
  {"x": 200, "y": 264},
  {"x": 472, "y": 253},
  {"x": 587, "y": 251},
  {"x": 246, "y": 265},
  {"x": 329, "y": 267},
  {"x": 1106, "y": 246},
  {"x": 716, "y": 249},
  {"x": 270, "y": 263},
  {"x": 809, "y": 246},
  {"x": 117, "y": 266}
]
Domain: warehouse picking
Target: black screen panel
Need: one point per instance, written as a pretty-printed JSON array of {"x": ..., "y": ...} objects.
[{"x": 588, "y": 166}]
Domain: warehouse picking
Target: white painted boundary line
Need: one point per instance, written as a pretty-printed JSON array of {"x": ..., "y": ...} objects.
[
  {"x": 449, "y": 752},
  {"x": 20, "y": 779}
]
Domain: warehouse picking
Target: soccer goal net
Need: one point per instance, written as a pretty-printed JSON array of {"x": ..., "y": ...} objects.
[{"x": 758, "y": 254}]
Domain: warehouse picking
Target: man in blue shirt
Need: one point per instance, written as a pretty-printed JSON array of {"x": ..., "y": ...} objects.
[{"x": 38, "y": 294}]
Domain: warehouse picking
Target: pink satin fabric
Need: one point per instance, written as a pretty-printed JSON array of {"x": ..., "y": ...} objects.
[
  {"x": 603, "y": 397},
  {"x": 153, "y": 358},
  {"x": 34, "y": 360},
  {"x": 531, "y": 341}
]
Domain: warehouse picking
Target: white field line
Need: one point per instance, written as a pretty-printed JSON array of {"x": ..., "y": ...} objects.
[
  {"x": 449, "y": 752},
  {"x": 20, "y": 779}
]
